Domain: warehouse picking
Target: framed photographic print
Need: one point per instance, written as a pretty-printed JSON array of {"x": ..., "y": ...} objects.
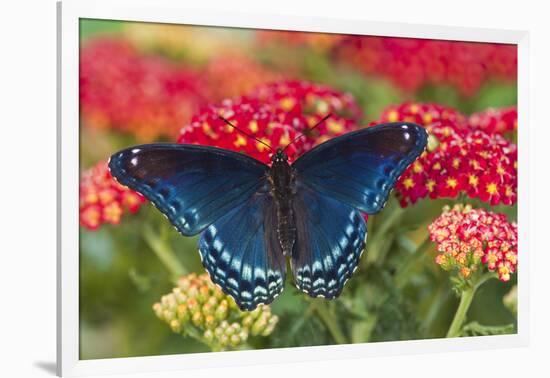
[{"x": 240, "y": 188}]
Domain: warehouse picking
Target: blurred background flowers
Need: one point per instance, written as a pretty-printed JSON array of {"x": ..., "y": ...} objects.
[{"x": 441, "y": 258}]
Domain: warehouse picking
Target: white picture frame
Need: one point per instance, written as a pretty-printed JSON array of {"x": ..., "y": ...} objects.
[{"x": 172, "y": 11}]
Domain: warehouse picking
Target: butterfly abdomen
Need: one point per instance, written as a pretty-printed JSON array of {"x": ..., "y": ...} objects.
[
  {"x": 286, "y": 228},
  {"x": 281, "y": 177}
]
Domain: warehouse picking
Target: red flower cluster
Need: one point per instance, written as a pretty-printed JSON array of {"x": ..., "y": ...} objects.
[
  {"x": 493, "y": 120},
  {"x": 459, "y": 159},
  {"x": 123, "y": 89},
  {"x": 467, "y": 238},
  {"x": 104, "y": 200},
  {"x": 425, "y": 114},
  {"x": 275, "y": 114},
  {"x": 411, "y": 63}
]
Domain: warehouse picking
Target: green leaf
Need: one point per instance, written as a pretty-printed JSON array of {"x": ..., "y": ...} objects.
[{"x": 476, "y": 329}]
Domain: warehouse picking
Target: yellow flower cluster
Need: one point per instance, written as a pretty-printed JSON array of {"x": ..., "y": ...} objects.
[{"x": 198, "y": 308}]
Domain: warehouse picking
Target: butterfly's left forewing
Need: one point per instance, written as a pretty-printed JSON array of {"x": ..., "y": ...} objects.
[{"x": 192, "y": 185}]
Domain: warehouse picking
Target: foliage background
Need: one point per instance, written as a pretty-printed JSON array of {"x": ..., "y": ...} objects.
[{"x": 121, "y": 278}]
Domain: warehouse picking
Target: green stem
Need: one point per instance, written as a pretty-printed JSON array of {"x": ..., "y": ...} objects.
[
  {"x": 380, "y": 240},
  {"x": 195, "y": 334},
  {"x": 434, "y": 308},
  {"x": 460, "y": 315},
  {"x": 367, "y": 326},
  {"x": 466, "y": 298},
  {"x": 164, "y": 252},
  {"x": 326, "y": 315},
  {"x": 389, "y": 221},
  {"x": 407, "y": 268}
]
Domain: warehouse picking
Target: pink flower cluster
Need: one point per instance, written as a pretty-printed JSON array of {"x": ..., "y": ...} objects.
[{"x": 467, "y": 238}]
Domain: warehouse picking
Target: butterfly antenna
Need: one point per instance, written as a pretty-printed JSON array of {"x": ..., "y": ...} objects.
[
  {"x": 247, "y": 134},
  {"x": 308, "y": 130}
]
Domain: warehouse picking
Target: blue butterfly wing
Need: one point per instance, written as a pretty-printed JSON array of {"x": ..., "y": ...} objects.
[
  {"x": 336, "y": 180},
  {"x": 361, "y": 168},
  {"x": 242, "y": 254},
  {"x": 192, "y": 185},
  {"x": 330, "y": 238}
]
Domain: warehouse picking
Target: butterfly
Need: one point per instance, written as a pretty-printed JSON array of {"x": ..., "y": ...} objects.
[{"x": 252, "y": 217}]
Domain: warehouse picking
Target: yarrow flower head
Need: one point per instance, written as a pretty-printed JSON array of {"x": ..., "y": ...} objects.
[
  {"x": 425, "y": 114},
  {"x": 459, "y": 159},
  {"x": 494, "y": 120},
  {"x": 411, "y": 63},
  {"x": 198, "y": 308},
  {"x": 307, "y": 98},
  {"x": 103, "y": 199},
  {"x": 275, "y": 114},
  {"x": 468, "y": 239},
  {"x": 122, "y": 89}
]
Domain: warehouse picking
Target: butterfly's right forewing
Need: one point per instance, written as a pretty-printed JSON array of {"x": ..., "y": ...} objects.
[
  {"x": 334, "y": 182},
  {"x": 362, "y": 167}
]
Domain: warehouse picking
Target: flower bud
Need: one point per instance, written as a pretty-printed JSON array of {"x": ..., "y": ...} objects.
[
  {"x": 157, "y": 308},
  {"x": 221, "y": 312},
  {"x": 510, "y": 300},
  {"x": 175, "y": 325},
  {"x": 234, "y": 340},
  {"x": 210, "y": 321},
  {"x": 208, "y": 335},
  {"x": 183, "y": 313},
  {"x": 197, "y": 318}
]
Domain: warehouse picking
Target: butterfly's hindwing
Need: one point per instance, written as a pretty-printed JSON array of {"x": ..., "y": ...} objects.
[
  {"x": 242, "y": 254},
  {"x": 192, "y": 185},
  {"x": 361, "y": 168},
  {"x": 330, "y": 239}
]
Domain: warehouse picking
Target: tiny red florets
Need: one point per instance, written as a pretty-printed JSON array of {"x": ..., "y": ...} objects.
[
  {"x": 276, "y": 114},
  {"x": 121, "y": 88},
  {"x": 493, "y": 120},
  {"x": 410, "y": 63},
  {"x": 467, "y": 238},
  {"x": 425, "y": 114},
  {"x": 458, "y": 159},
  {"x": 103, "y": 200}
]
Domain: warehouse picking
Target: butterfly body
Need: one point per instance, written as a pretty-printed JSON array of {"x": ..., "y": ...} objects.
[
  {"x": 252, "y": 217},
  {"x": 282, "y": 181}
]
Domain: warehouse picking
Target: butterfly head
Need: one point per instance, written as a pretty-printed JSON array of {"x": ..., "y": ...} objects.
[{"x": 279, "y": 156}]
